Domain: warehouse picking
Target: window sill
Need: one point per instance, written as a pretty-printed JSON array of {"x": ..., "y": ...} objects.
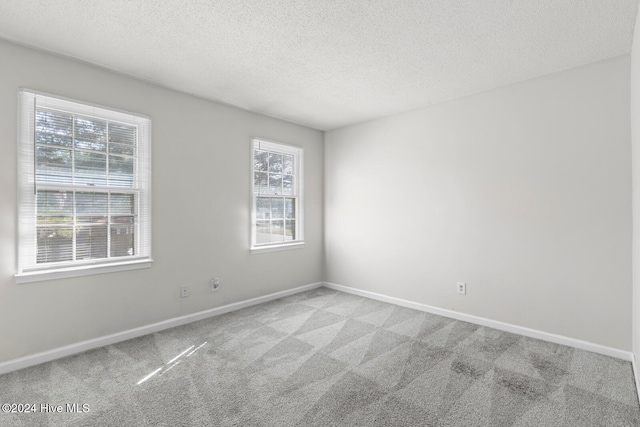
[
  {"x": 275, "y": 248},
  {"x": 85, "y": 270}
]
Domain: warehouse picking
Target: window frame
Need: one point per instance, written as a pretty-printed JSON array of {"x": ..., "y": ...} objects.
[
  {"x": 298, "y": 194},
  {"x": 27, "y": 267}
]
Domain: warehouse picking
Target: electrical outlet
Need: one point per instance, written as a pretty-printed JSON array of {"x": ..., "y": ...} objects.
[
  {"x": 215, "y": 284},
  {"x": 461, "y": 288},
  {"x": 184, "y": 291}
]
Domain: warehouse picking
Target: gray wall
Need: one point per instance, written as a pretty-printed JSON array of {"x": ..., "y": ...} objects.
[
  {"x": 635, "y": 134},
  {"x": 522, "y": 192},
  {"x": 201, "y": 201}
]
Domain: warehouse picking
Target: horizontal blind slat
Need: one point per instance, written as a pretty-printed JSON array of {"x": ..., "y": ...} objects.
[{"x": 95, "y": 203}]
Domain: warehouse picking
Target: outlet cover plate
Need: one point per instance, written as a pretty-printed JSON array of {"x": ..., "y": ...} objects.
[{"x": 184, "y": 291}]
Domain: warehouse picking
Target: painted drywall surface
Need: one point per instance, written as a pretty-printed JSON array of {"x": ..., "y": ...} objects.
[
  {"x": 200, "y": 199},
  {"x": 635, "y": 138},
  {"x": 521, "y": 192}
]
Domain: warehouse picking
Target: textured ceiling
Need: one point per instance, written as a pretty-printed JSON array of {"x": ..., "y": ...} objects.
[{"x": 327, "y": 63}]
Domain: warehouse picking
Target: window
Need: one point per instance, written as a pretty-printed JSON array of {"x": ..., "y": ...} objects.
[
  {"x": 84, "y": 189},
  {"x": 277, "y": 196}
]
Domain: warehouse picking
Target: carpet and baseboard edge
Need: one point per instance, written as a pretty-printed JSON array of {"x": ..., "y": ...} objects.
[
  {"x": 68, "y": 350},
  {"x": 57, "y": 353},
  {"x": 507, "y": 327}
]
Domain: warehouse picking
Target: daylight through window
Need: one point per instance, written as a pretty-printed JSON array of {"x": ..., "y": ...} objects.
[
  {"x": 277, "y": 194},
  {"x": 84, "y": 186}
]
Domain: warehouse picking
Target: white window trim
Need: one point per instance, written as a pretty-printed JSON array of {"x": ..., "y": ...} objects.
[
  {"x": 276, "y": 248},
  {"x": 83, "y": 270},
  {"x": 26, "y": 185},
  {"x": 298, "y": 152}
]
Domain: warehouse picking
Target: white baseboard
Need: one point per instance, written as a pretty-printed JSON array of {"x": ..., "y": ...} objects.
[
  {"x": 68, "y": 350},
  {"x": 57, "y": 353},
  {"x": 507, "y": 327}
]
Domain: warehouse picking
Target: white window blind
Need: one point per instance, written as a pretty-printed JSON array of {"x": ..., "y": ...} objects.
[
  {"x": 84, "y": 187},
  {"x": 277, "y": 218}
]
